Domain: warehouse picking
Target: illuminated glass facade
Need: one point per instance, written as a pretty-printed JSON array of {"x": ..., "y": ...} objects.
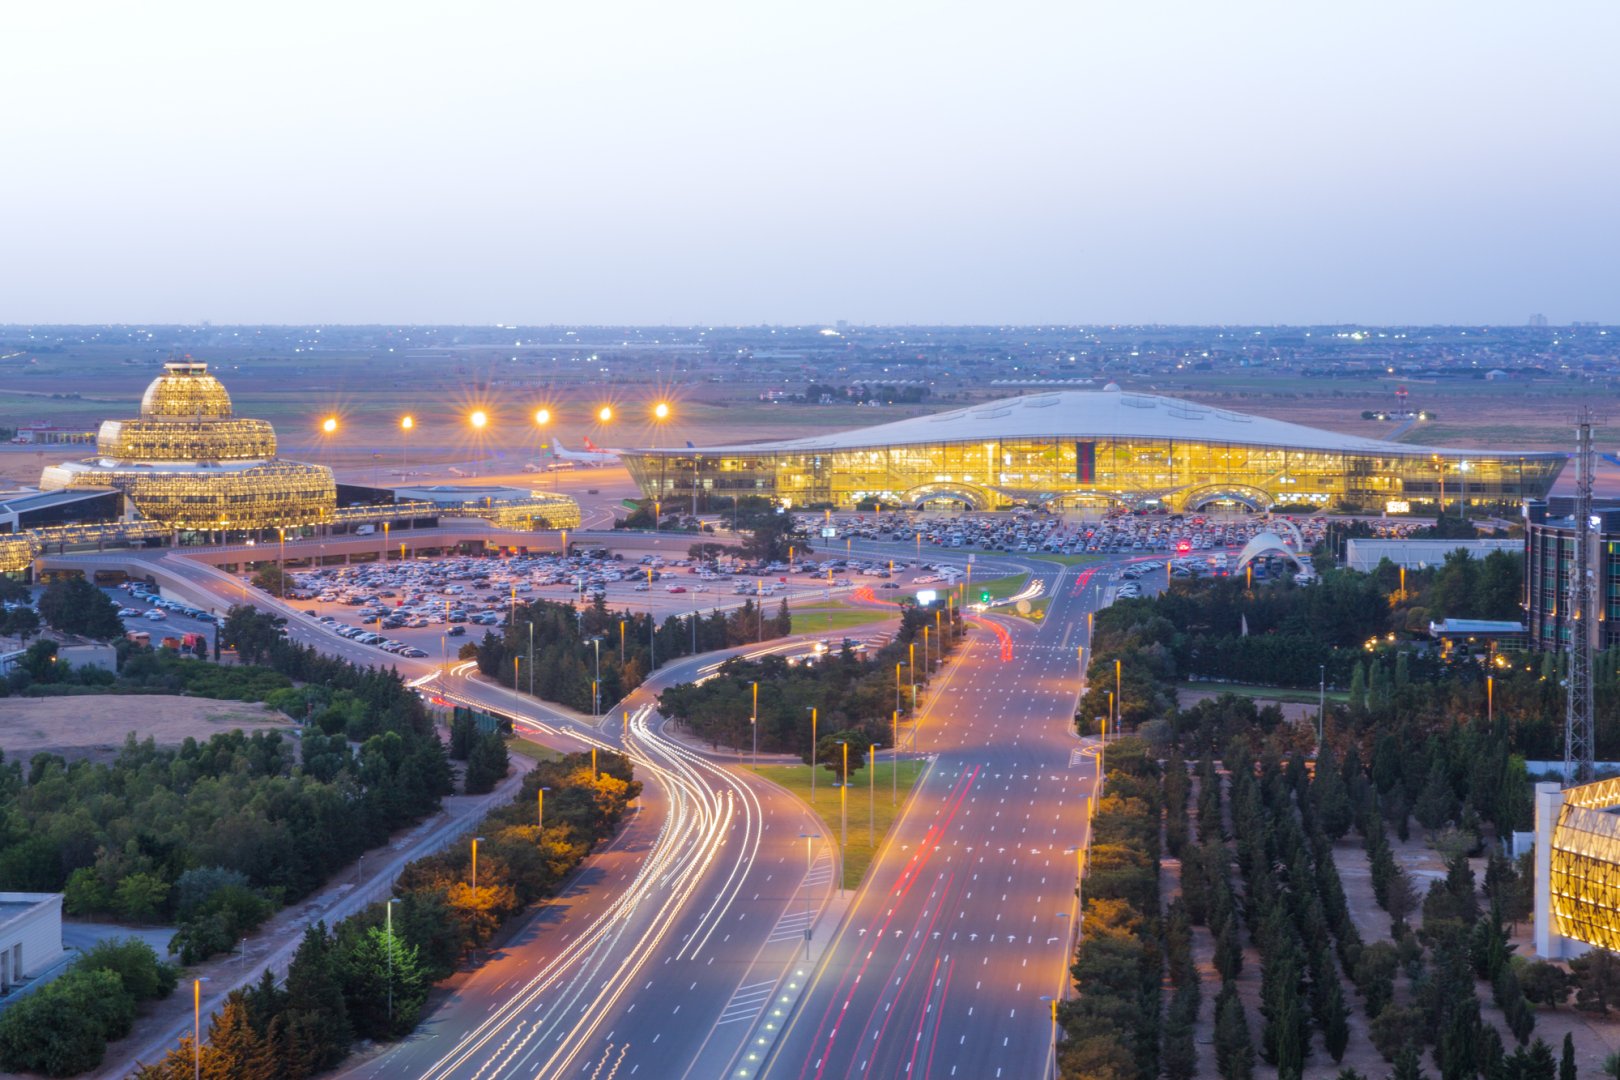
[
  {"x": 1549, "y": 550},
  {"x": 1187, "y": 457},
  {"x": 1584, "y": 878},
  {"x": 188, "y": 463}
]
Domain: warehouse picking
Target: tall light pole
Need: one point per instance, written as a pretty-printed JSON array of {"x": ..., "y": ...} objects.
[
  {"x": 1490, "y": 701},
  {"x": 1054, "y": 1003},
  {"x": 596, "y": 684},
  {"x": 196, "y": 1026},
  {"x": 894, "y": 760},
  {"x": 753, "y": 722},
  {"x": 815, "y": 765},
  {"x": 542, "y": 417},
  {"x": 475, "y": 867},
  {"x": 843, "y": 818},
  {"x": 531, "y": 655},
  {"x": 871, "y": 795},
  {"x": 1321, "y": 703},
  {"x": 540, "y": 808},
  {"x": 388, "y": 908},
  {"x": 809, "y": 863},
  {"x": 1119, "y": 697},
  {"x": 479, "y": 419},
  {"x": 406, "y": 424}
]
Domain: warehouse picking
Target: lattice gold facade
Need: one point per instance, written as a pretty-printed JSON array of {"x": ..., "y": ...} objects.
[
  {"x": 179, "y": 440},
  {"x": 540, "y": 512},
  {"x": 1585, "y": 866},
  {"x": 16, "y": 554},
  {"x": 189, "y": 463}
]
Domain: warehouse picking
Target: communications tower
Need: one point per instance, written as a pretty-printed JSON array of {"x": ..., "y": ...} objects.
[{"x": 1583, "y": 619}]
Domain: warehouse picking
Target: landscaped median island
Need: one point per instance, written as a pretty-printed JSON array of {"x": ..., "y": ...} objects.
[{"x": 871, "y": 802}]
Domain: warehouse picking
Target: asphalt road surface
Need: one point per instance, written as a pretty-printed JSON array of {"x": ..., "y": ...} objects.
[{"x": 966, "y": 919}]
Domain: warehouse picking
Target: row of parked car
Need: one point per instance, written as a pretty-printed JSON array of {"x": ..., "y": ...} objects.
[{"x": 367, "y": 637}]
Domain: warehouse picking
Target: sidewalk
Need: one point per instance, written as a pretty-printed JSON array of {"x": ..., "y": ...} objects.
[{"x": 273, "y": 945}]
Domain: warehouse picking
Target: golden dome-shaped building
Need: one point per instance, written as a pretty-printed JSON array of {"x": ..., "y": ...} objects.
[{"x": 187, "y": 461}]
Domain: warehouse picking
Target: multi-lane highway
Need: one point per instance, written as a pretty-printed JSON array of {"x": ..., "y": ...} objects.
[
  {"x": 965, "y": 921},
  {"x": 680, "y": 949}
]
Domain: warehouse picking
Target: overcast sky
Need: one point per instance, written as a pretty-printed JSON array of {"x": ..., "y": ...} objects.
[{"x": 690, "y": 161}]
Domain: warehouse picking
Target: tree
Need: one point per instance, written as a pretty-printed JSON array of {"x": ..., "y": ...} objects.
[
  {"x": 141, "y": 896},
  {"x": 770, "y": 535},
  {"x": 1566, "y": 1063},
  {"x": 1437, "y": 803},
  {"x": 235, "y": 1048},
  {"x": 372, "y": 963},
  {"x": 143, "y": 975},
  {"x": 1400, "y": 901},
  {"x": 63, "y": 1028},
  {"x": 1234, "y": 1050},
  {"x": 1544, "y": 983},
  {"x": 318, "y": 1030},
  {"x": 21, "y": 623},
  {"x": 74, "y": 606},
  {"x": 1407, "y": 1065},
  {"x": 1597, "y": 980},
  {"x": 272, "y": 579},
  {"x": 487, "y": 764}
]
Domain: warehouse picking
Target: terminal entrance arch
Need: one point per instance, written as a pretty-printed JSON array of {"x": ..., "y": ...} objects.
[
  {"x": 973, "y": 498},
  {"x": 1199, "y": 497}
]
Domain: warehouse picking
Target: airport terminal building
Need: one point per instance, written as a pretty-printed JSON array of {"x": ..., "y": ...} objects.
[{"x": 1099, "y": 448}]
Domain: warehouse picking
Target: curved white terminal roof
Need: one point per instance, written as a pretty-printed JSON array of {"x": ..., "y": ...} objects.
[{"x": 1108, "y": 413}]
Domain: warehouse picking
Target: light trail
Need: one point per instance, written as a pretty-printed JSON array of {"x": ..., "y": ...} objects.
[{"x": 707, "y": 807}]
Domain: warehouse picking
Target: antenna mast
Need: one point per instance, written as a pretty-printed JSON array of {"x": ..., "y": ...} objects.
[{"x": 1583, "y": 620}]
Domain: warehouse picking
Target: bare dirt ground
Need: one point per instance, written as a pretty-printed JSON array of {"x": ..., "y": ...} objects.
[{"x": 95, "y": 726}]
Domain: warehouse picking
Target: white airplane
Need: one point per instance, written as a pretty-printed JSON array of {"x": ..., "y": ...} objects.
[
  {"x": 591, "y": 455},
  {"x": 456, "y": 472}
]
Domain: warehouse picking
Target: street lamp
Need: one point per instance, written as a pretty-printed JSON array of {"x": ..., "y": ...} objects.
[
  {"x": 596, "y": 684},
  {"x": 809, "y": 863},
  {"x": 388, "y": 908},
  {"x": 1119, "y": 696},
  {"x": 871, "y": 795},
  {"x": 475, "y": 841},
  {"x": 815, "y": 766},
  {"x": 753, "y": 722},
  {"x": 1321, "y": 704},
  {"x": 1054, "y": 1003},
  {"x": 196, "y": 1022},
  {"x": 406, "y": 424},
  {"x": 540, "y": 808},
  {"x": 604, "y": 415},
  {"x": 479, "y": 419},
  {"x": 843, "y": 817}
]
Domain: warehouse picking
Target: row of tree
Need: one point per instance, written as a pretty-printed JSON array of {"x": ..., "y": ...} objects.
[
  {"x": 1112, "y": 1025},
  {"x": 855, "y": 695},
  {"x": 369, "y": 977},
  {"x": 559, "y": 650}
]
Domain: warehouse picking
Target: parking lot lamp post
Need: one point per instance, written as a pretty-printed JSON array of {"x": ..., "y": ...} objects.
[{"x": 596, "y": 685}]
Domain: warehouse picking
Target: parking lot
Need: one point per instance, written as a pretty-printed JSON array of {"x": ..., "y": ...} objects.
[
  {"x": 428, "y": 607},
  {"x": 1032, "y": 532}
]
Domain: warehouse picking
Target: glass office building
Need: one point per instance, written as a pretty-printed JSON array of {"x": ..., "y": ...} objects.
[
  {"x": 189, "y": 463},
  {"x": 1099, "y": 448}
]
